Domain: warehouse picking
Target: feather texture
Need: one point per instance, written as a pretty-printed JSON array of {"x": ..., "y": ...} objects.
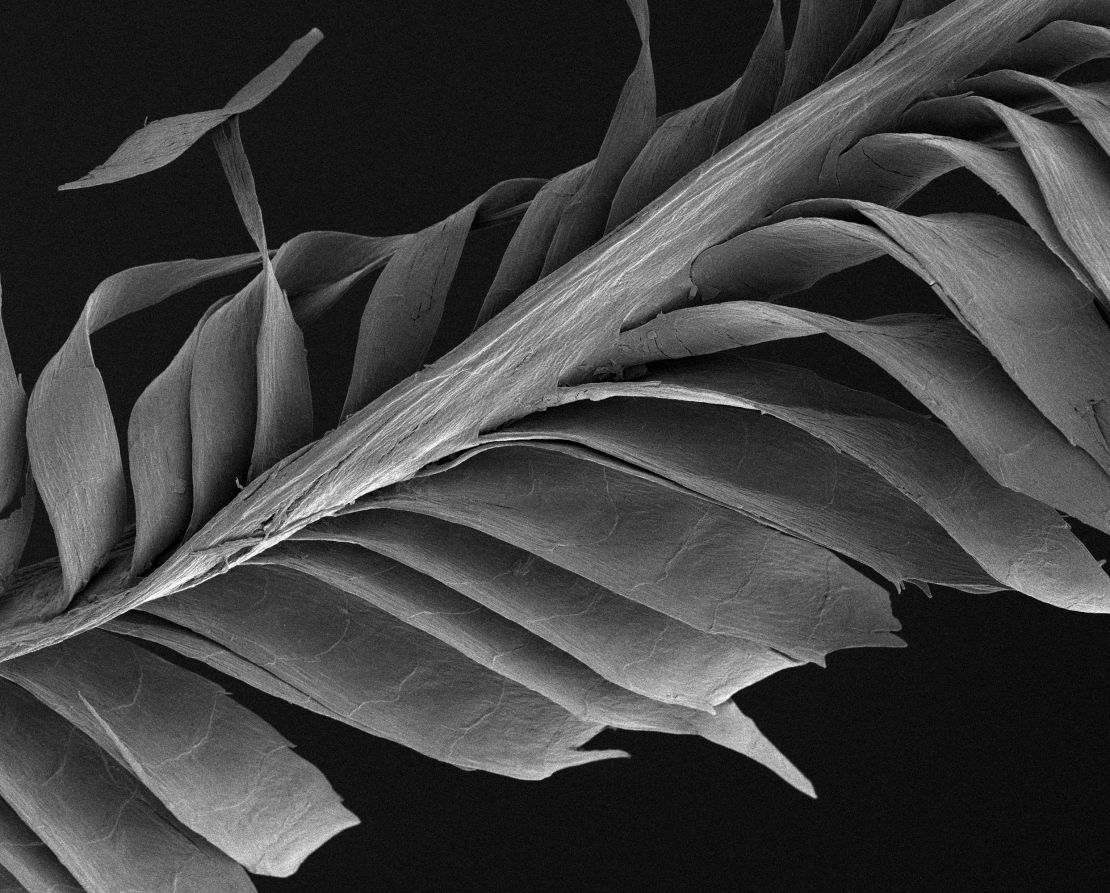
[{"x": 585, "y": 506}]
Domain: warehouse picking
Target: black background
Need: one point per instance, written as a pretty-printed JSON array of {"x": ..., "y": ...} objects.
[{"x": 974, "y": 759}]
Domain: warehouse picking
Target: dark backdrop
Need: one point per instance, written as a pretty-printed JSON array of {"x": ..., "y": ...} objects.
[{"x": 974, "y": 759}]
